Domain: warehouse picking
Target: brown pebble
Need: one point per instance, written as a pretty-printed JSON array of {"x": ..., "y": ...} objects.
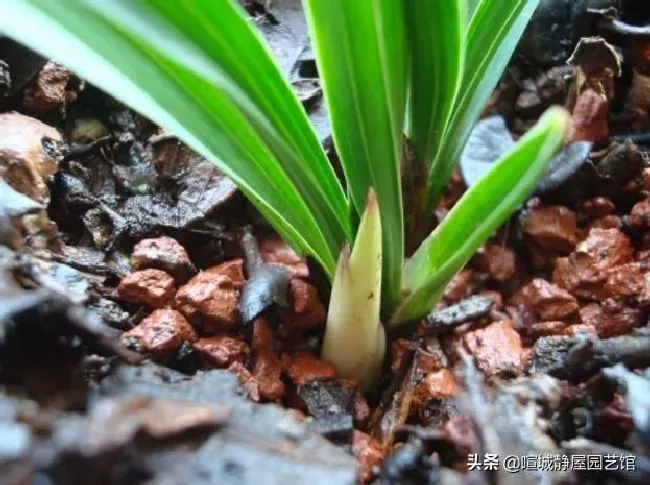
[
  {"x": 267, "y": 367},
  {"x": 626, "y": 280},
  {"x": 246, "y": 380},
  {"x": 164, "y": 253},
  {"x": 233, "y": 269},
  {"x": 304, "y": 367},
  {"x": 222, "y": 350},
  {"x": 611, "y": 318},
  {"x": 24, "y": 164},
  {"x": 209, "y": 301},
  {"x": 543, "y": 329},
  {"x": 548, "y": 300},
  {"x": 274, "y": 250},
  {"x": 440, "y": 384},
  {"x": 496, "y": 348},
  {"x": 151, "y": 287},
  {"x": 367, "y": 452},
  {"x": 598, "y": 207},
  {"x": 553, "y": 228},
  {"x": 609, "y": 221},
  {"x": 161, "y": 333},
  {"x": 307, "y": 311},
  {"x": 499, "y": 261},
  {"x": 589, "y": 120},
  {"x": 583, "y": 273},
  {"x": 572, "y": 330},
  {"x": 49, "y": 90},
  {"x": 640, "y": 214}
]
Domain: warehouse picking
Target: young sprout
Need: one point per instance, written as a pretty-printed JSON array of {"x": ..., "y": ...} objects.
[{"x": 354, "y": 337}]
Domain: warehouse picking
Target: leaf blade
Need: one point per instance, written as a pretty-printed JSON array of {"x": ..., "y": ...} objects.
[
  {"x": 492, "y": 35},
  {"x": 479, "y": 213},
  {"x": 241, "y": 140},
  {"x": 436, "y": 37},
  {"x": 361, "y": 47}
]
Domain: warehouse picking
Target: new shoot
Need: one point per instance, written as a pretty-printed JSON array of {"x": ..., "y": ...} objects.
[{"x": 354, "y": 337}]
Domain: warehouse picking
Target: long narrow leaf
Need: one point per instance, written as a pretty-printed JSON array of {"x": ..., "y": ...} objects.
[
  {"x": 481, "y": 210},
  {"x": 436, "y": 34},
  {"x": 149, "y": 60},
  {"x": 362, "y": 61},
  {"x": 493, "y": 33}
]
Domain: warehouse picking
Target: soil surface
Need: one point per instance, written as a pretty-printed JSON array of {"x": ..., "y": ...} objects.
[{"x": 154, "y": 329}]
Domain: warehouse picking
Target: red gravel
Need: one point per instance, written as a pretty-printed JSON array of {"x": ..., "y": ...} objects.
[
  {"x": 210, "y": 301},
  {"x": 222, "y": 350},
  {"x": 304, "y": 367},
  {"x": 496, "y": 349},
  {"x": 553, "y": 228},
  {"x": 160, "y": 334},
  {"x": 151, "y": 287}
]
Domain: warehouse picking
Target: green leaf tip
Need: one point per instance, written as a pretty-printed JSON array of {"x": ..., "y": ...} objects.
[
  {"x": 355, "y": 341},
  {"x": 479, "y": 213}
]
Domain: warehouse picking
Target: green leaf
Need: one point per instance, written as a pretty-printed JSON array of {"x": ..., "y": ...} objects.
[
  {"x": 436, "y": 35},
  {"x": 493, "y": 33},
  {"x": 177, "y": 63},
  {"x": 355, "y": 340},
  {"x": 481, "y": 210},
  {"x": 362, "y": 61}
]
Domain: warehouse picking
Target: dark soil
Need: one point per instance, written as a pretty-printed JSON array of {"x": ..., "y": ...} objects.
[{"x": 153, "y": 328}]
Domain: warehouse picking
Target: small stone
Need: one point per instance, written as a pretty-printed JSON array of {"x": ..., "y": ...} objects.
[
  {"x": 25, "y": 163},
  {"x": 626, "y": 280},
  {"x": 640, "y": 214},
  {"x": 543, "y": 329},
  {"x": 274, "y": 250},
  {"x": 598, "y": 207},
  {"x": 164, "y": 253},
  {"x": 151, "y": 287},
  {"x": 267, "y": 368},
  {"x": 496, "y": 348},
  {"x": 548, "y": 300},
  {"x": 233, "y": 269},
  {"x": 572, "y": 330},
  {"x": 307, "y": 311},
  {"x": 246, "y": 380},
  {"x": 368, "y": 453},
  {"x": 49, "y": 90},
  {"x": 553, "y": 228},
  {"x": 589, "y": 120},
  {"x": 222, "y": 350},
  {"x": 440, "y": 384},
  {"x": 304, "y": 367},
  {"x": 209, "y": 301},
  {"x": 584, "y": 272},
  {"x": 609, "y": 221},
  {"x": 160, "y": 334},
  {"x": 499, "y": 261},
  {"x": 611, "y": 318},
  {"x": 607, "y": 247},
  {"x": 460, "y": 286}
]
